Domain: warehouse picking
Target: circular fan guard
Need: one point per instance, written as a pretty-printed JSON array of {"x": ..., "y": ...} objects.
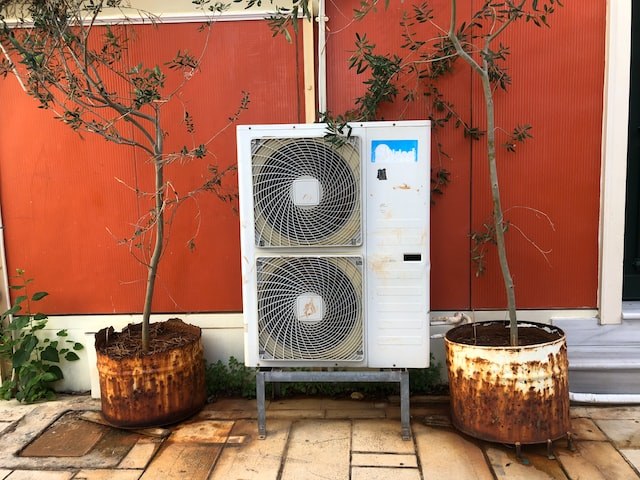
[
  {"x": 335, "y": 219},
  {"x": 338, "y": 336}
]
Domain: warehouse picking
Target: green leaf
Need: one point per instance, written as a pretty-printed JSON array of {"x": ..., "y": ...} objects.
[
  {"x": 50, "y": 354},
  {"x": 38, "y": 296},
  {"x": 19, "y": 299},
  {"x": 20, "y": 322},
  {"x": 54, "y": 369},
  {"x": 23, "y": 354},
  {"x": 49, "y": 377},
  {"x": 62, "y": 333},
  {"x": 12, "y": 310},
  {"x": 71, "y": 356},
  {"x": 78, "y": 346}
]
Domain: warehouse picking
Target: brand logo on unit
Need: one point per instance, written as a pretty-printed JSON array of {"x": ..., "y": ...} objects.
[{"x": 394, "y": 151}]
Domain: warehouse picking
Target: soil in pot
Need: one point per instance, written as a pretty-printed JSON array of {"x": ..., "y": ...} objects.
[
  {"x": 496, "y": 334},
  {"x": 163, "y": 386}
]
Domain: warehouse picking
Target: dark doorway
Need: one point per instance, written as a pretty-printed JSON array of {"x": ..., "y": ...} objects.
[{"x": 631, "y": 285}]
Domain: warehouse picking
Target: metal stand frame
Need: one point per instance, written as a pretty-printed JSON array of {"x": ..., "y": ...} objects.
[{"x": 399, "y": 376}]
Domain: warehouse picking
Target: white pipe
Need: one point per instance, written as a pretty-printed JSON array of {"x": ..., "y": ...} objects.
[
  {"x": 605, "y": 398},
  {"x": 457, "y": 318},
  {"x": 322, "y": 57}
]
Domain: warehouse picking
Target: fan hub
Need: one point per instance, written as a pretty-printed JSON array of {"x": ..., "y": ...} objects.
[
  {"x": 309, "y": 308},
  {"x": 306, "y": 191}
]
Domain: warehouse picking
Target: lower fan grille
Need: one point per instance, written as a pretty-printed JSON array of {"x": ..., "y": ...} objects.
[{"x": 310, "y": 308}]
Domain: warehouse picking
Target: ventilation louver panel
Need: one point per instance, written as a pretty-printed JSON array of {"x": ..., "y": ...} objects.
[
  {"x": 306, "y": 192},
  {"x": 310, "y": 308}
]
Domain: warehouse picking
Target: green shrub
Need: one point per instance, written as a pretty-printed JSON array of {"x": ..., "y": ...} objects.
[
  {"x": 34, "y": 362},
  {"x": 233, "y": 379}
]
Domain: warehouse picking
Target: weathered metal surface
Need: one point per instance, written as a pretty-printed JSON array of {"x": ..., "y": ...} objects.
[
  {"x": 156, "y": 389},
  {"x": 509, "y": 394}
]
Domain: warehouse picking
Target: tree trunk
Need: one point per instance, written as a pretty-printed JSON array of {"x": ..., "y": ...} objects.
[
  {"x": 158, "y": 219},
  {"x": 498, "y": 216}
]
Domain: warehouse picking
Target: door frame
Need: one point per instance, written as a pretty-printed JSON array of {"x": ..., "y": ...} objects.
[{"x": 615, "y": 126}]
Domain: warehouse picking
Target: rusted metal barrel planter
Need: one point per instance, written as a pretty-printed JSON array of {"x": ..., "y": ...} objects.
[
  {"x": 159, "y": 388},
  {"x": 514, "y": 395}
]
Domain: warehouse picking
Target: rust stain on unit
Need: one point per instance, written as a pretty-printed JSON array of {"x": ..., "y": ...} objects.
[
  {"x": 379, "y": 264},
  {"x": 510, "y": 394},
  {"x": 402, "y": 186}
]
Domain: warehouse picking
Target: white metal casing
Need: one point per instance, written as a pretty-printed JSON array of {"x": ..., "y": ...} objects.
[{"x": 394, "y": 248}]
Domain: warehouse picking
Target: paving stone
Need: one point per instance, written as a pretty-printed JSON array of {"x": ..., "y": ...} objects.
[
  {"x": 108, "y": 474},
  {"x": 4, "y": 426},
  {"x": 318, "y": 449},
  {"x": 39, "y": 475},
  {"x": 297, "y": 404},
  {"x": 356, "y": 413},
  {"x": 237, "y": 439},
  {"x": 624, "y": 433},
  {"x": 586, "y": 429},
  {"x": 444, "y": 453},
  {"x": 228, "y": 414},
  {"x": 438, "y": 400},
  {"x": 202, "y": 431},
  {"x": 595, "y": 461},
  {"x": 539, "y": 467},
  {"x": 141, "y": 453},
  {"x": 384, "y": 460},
  {"x": 369, "y": 473},
  {"x": 331, "y": 404},
  {"x": 12, "y": 410},
  {"x": 254, "y": 459},
  {"x": 69, "y": 436},
  {"x": 4, "y": 474},
  {"x": 182, "y": 460},
  {"x": 383, "y": 436},
  {"x": 392, "y": 412},
  {"x": 291, "y": 414},
  {"x": 107, "y": 452},
  {"x": 633, "y": 457},
  {"x": 222, "y": 404},
  {"x": 96, "y": 417}
]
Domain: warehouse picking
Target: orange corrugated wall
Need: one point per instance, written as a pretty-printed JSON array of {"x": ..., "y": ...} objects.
[
  {"x": 557, "y": 87},
  {"x": 64, "y": 209},
  {"x": 66, "y": 201}
]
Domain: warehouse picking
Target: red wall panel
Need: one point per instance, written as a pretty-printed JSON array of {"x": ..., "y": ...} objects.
[
  {"x": 450, "y": 212},
  {"x": 67, "y": 200},
  {"x": 557, "y": 86},
  {"x": 64, "y": 208},
  {"x": 557, "y": 77}
]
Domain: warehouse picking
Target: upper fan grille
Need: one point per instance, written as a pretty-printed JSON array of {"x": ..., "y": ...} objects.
[
  {"x": 306, "y": 192},
  {"x": 310, "y": 308}
]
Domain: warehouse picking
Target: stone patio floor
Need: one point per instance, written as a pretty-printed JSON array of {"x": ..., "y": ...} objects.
[{"x": 308, "y": 438}]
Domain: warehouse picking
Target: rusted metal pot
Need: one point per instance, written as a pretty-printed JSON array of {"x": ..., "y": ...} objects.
[
  {"x": 159, "y": 388},
  {"x": 515, "y": 395}
]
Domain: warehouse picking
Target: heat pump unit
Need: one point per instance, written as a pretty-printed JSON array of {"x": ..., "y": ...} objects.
[{"x": 335, "y": 245}]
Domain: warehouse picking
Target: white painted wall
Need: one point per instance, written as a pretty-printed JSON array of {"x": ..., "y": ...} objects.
[
  {"x": 614, "y": 160},
  {"x": 223, "y": 337},
  {"x": 171, "y": 11}
]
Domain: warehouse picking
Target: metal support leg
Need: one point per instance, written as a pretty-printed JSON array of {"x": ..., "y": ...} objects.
[
  {"x": 262, "y": 413},
  {"x": 550, "y": 454},
  {"x": 570, "y": 444},
  {"x": 275, "y": 376},
  {"x": 405, "y": 418}
]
